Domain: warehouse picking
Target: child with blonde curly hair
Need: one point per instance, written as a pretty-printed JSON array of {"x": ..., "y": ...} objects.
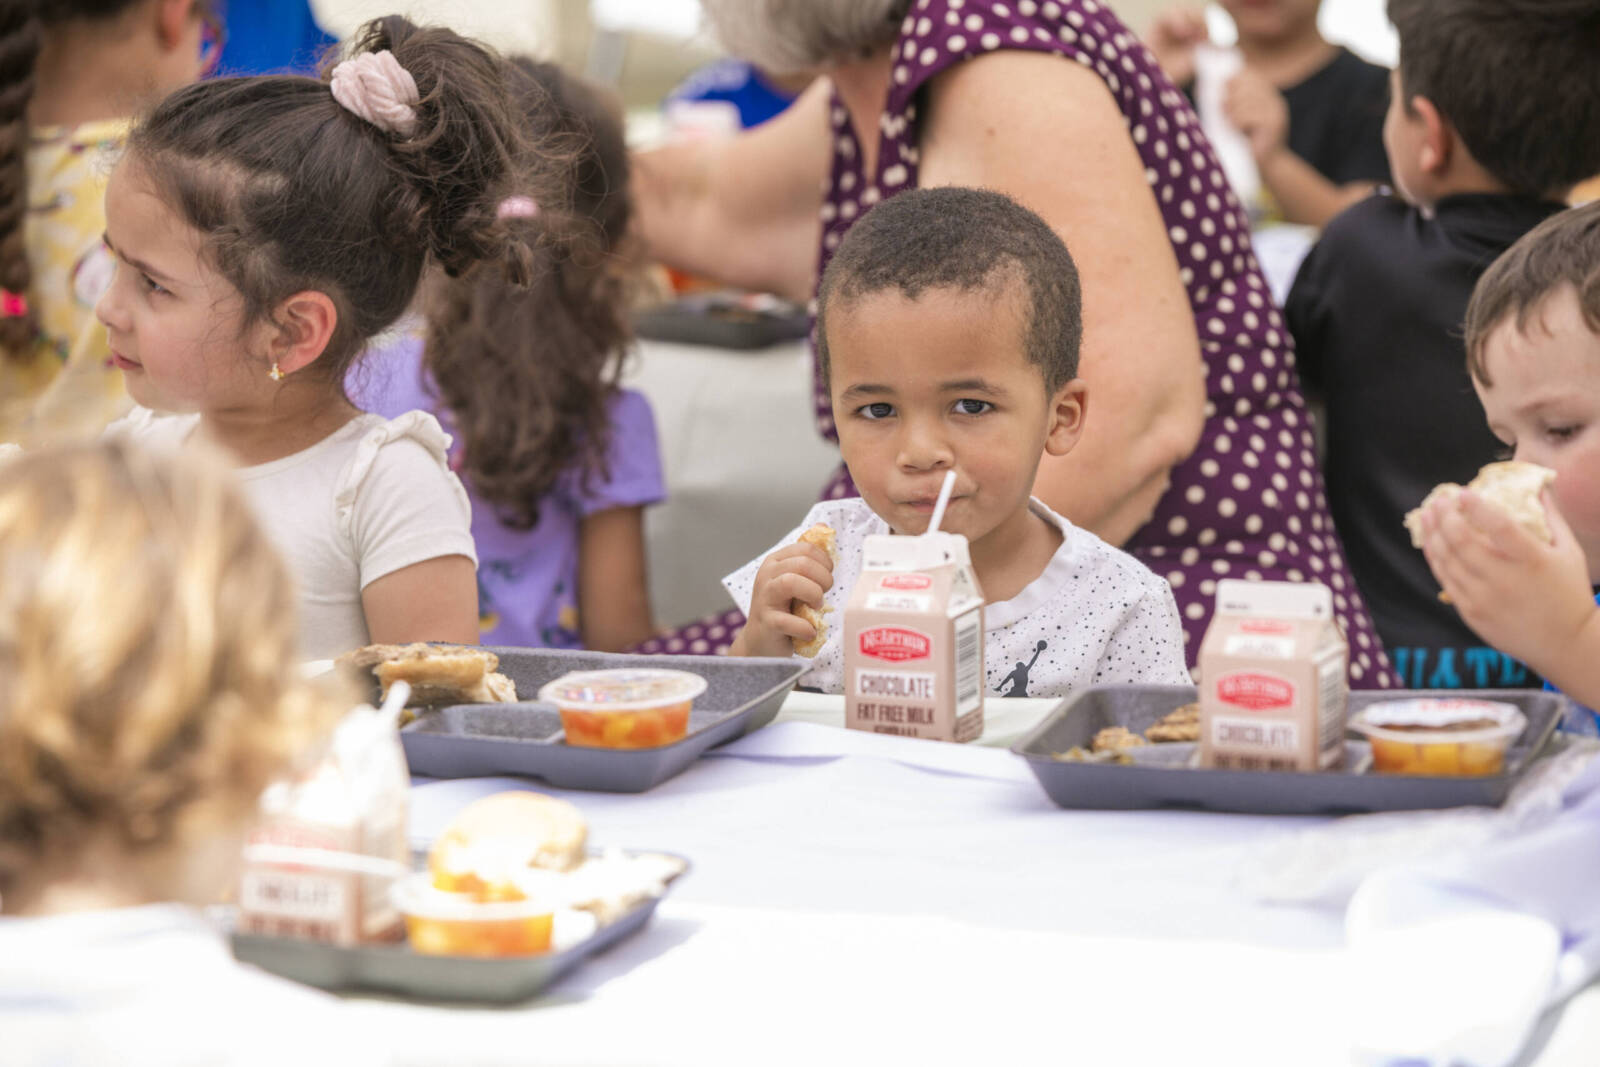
[{"x": 148, "y": 693}]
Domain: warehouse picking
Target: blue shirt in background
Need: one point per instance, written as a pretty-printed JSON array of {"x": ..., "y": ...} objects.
[
  {"x": 272, "y": 37},
  {"x": 738, "y": 83}
]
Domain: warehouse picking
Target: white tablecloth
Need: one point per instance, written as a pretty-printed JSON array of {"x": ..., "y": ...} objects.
[{"x": 861, "y": 898}]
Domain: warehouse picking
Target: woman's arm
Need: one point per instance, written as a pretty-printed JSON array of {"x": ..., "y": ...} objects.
[
  {"x": 613, "y": 595},
  {"x": 743, "y": 210},
  {"x": 1047, "y": 132},
  {"x": 435, "y": 600}
]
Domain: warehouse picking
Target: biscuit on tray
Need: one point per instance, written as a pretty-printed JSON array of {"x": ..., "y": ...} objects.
[{"x": 1180, "y": 724}]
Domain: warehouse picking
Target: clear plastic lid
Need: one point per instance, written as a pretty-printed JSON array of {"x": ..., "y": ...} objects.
[
  {"x": 1425, "y": 719},
  {"x": 622, "y": 689}
]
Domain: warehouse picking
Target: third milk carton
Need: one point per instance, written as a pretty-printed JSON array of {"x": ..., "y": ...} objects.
[
  {"x": 1272, "y": 679},
  {"x": 913, "y": 640}
]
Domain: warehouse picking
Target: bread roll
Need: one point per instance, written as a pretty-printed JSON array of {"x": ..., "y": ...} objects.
[
  {"x": 823, "y": 537},
  {"x": 437, "y": 674},
  {"x": 1512, "y": 486},
  {"x": 494, "y": 838}
]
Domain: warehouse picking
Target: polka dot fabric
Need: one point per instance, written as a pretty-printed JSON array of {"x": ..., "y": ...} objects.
[{"x": 1249, "y": 502}]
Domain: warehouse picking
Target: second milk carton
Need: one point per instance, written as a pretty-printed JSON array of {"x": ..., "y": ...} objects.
[
  {"x": 1272, "y": 679},
  {"x": 913, "y": 640}
]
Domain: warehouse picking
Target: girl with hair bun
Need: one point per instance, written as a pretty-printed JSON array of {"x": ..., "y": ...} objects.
[
  {"x": 71, "y": 72},
  {"x": 265, "y": 229}
]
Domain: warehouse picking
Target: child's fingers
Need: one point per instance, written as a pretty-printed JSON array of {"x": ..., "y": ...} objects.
[
  {"x": 788, "y": 624},
  {"x": 790, "y": 586},
  {"x": 1500, "y": 532},
  {"x": 799, "y": 563},
  {"x": 1561, "y": 534},
  {"x": 1462, "y": 539},
  {"x": 803, "y": 550}
]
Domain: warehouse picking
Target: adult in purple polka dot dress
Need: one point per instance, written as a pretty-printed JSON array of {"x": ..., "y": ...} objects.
[{"x": 1198, "y": 454}]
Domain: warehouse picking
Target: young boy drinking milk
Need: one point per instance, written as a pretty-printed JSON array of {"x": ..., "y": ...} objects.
[{"x": 948, "y": 326}]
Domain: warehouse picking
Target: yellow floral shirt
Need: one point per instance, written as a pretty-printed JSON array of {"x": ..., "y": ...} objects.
[{"x": 67, "y": 172}]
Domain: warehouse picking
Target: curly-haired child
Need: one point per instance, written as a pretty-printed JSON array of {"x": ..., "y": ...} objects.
[
  {"x": 559, "y": 461},
  {"x": 149, "y": 691}
]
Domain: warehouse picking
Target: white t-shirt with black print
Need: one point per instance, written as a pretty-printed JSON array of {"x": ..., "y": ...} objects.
[{"x": 1094, "y": 615}]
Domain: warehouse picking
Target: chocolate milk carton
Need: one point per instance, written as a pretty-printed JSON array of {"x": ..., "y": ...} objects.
[
  {"x": 1272, "y": 679},
  {"x": 330, "y": 843},
  {"x": 913, "y": 640}
]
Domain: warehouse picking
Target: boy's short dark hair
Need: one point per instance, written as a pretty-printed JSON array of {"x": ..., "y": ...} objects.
[
  {"x": 966, "y": 239},
  {"x": 1562, "y": 250},
  {"x": 1517, "y": 80}
]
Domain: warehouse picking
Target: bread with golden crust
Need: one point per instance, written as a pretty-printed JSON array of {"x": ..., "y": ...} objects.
[
  {"x": 493, "y": 838},
  {"x": 1511, "y": 485},
  {"x": 437, "y": 674},
  {"x": 822, "y": 535}
]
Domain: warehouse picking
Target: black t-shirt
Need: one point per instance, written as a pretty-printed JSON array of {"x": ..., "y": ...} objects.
[
  {"x": 1376, "y": 314},
  {"x": 1336, "y": 119}
]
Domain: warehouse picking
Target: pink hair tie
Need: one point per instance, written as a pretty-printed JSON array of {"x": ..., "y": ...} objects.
[
  {"x": 12, "y": 305},
  {"x": 375, "y": 87},
  {"x": 518, "y": 207}
]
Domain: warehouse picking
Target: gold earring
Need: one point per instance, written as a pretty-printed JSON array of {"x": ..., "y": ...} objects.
[{"x": 275, "y": 374}]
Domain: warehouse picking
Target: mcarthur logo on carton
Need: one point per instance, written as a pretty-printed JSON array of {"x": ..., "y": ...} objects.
[
  {"x": 913, "y": 640},
  {"x": 1272, "y": 674}
]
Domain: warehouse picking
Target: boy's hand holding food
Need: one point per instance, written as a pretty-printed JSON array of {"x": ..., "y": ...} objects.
[
  {"x": 786, "y": 601},
  {"x": 1527, "y": 597}
]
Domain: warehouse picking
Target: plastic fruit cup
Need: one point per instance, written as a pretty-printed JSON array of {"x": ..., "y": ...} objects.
[
  {"x": 628, "y": 707},
  {"x": 1414, "y": 736},
  {"x": 453, "y": 924}
]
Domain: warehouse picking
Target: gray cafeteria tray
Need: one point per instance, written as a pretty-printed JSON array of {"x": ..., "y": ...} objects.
[
  {"x": 525, "y": 738},
  {"x": 396, "y": 969},
  {"x": 1155, "y": 782}
]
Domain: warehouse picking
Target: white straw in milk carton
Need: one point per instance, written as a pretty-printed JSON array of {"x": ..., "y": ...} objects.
[
  {"x": 1272, "y": 679},
  {"x": 913, "y": 636}
]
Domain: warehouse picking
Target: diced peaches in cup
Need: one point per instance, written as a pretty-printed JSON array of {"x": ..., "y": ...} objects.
[
  {"x": 439, "y": 923},
  {"x": 1451, "y": 737},
  {"x": 627, "y": 707}
]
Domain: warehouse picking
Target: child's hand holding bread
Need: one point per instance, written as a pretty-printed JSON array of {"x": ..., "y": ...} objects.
[
  {"x": 1508, "y": 561},
  {"x": 786, "y": 608}
]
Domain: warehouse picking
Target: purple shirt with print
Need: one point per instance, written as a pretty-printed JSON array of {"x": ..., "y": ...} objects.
[{"x": 527, "y": 579}]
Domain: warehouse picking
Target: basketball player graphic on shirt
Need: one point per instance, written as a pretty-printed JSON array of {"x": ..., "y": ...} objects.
[{"x": 1018, "y": 678}]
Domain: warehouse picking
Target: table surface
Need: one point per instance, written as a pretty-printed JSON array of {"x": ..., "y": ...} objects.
[{"x": 859, "y": 897}]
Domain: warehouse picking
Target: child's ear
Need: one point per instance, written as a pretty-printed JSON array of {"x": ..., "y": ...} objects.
[
  {"x": 174, "y": 18},
  {"x": 1438, "y": 143},
  {"x": 1068, "y": 407},
  {"x": 301, "y": 329}
]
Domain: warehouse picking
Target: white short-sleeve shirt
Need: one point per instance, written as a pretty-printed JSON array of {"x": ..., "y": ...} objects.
[
  {"x": 1094, "y": 615},
  {"x": 373, "y": 497},
  {"x": 156, "y": 985}
]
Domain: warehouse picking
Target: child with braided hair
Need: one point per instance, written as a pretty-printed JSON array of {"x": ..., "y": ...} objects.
[{"x": 71, "y": 72}]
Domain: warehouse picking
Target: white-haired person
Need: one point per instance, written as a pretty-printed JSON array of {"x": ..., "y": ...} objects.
[{"x": 1198, "y": 457}]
